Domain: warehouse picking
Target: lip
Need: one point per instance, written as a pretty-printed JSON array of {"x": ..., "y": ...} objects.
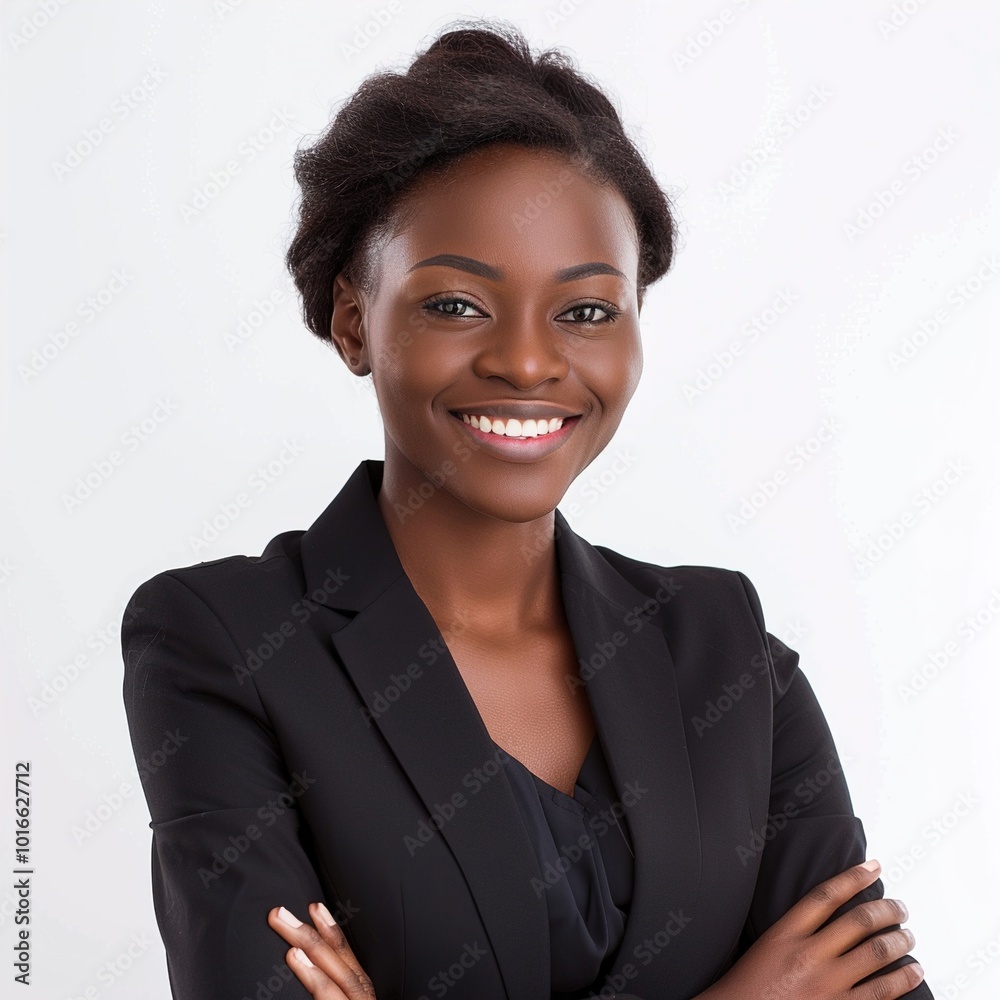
[{"x": 517, "y": 449}]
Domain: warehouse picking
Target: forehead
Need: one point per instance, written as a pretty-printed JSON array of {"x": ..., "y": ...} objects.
[{"x": 531, "y": 208}]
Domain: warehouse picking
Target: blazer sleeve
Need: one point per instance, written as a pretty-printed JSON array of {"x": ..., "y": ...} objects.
[
  {"x": 812, "y": 833},
  {"x": 225, "y": 844}
]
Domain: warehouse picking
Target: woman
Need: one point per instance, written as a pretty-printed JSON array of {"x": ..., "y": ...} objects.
[{"x": 471, "y": 748}]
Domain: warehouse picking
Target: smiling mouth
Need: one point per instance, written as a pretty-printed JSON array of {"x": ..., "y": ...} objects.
[
  {"x": 511, "y": 427},
  {"x": 507, "y": 437}
]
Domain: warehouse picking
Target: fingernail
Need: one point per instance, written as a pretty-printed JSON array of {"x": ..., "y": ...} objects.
[
  {"x": 289, "y": 918},
  {"x": 303, "y": 958},
  {"x": 872, "y": 865},
  {"x": 326, "y": 914},
  {"x": 918, "y": 967}
]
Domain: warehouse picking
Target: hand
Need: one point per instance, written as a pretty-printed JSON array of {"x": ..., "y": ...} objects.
[
  {"x": 793, "y": 958},
  {"x": 321, "y": 956}
]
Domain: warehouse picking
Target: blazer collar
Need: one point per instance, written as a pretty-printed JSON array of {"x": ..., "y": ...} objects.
[{"x": 441, "y": 741}]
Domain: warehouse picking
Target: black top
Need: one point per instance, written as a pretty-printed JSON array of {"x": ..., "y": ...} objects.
[{"x": 586, "y": 863}]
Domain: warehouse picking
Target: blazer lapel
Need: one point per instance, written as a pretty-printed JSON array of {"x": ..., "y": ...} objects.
[
  {"x": 630, "y": 678},
  {"x": 440, "y": 740}
]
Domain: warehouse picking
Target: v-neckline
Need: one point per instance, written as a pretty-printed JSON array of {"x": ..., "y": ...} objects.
[{"x": 543, "y": 782}]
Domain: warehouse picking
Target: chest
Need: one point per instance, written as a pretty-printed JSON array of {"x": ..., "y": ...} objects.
[{"x": 528, "y": 702}]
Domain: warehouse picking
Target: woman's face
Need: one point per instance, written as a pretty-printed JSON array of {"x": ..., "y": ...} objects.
[{"x": 508, "y": 291}]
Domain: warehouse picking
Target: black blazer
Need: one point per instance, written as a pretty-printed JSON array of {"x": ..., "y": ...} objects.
[{"x": 302, "y": 733}]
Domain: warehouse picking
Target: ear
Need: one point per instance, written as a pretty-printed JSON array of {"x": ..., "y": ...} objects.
[{"x": 346, "y": 325}]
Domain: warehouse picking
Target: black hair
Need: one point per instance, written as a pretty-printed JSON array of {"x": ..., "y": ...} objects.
[{"x": 472, "y": 87}]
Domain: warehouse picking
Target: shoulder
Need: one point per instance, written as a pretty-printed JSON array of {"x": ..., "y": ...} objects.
[
  {"x": 685, "y": 590},
  {"x": 713, "y": 608},
  {"x": 218, "y": 586}
]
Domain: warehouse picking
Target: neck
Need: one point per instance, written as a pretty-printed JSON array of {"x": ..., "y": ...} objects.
[{"x": 472, "y": 570}]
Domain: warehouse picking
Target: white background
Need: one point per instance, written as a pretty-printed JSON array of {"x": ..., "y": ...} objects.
[{"x": 918, "y": 742}]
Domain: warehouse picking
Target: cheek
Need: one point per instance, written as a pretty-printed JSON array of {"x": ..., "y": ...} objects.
[
  {"x": 409, "y": 373},
  {"x": 616, "y": 376}
]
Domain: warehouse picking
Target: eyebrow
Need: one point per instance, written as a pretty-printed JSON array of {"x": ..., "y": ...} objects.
[{"x": 477, "y": 267}]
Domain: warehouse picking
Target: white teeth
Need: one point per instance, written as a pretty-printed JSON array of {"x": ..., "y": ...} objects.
[{"x": 513, "y": 427}]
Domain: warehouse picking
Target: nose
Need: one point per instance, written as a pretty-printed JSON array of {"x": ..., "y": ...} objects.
[{"x": 524, "y": 351}]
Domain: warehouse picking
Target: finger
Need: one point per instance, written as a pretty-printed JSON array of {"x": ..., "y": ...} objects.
[
  {"x": 333, "y": 934},
  {"x": 313, "y": 979},
  {"x": 878, "y": 951},
  {"x": 860, "y": 922},
  {"x": 893, "y": 984},
  {"x": 353, "y": 981},
  {"x": 817, "y": 905}
]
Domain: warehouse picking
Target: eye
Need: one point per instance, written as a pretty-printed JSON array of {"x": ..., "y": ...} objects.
[
  {"x": 452, "y": 305},
  {"x": 611, "y": 313},
  {"x": 584, "y": 313}
]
